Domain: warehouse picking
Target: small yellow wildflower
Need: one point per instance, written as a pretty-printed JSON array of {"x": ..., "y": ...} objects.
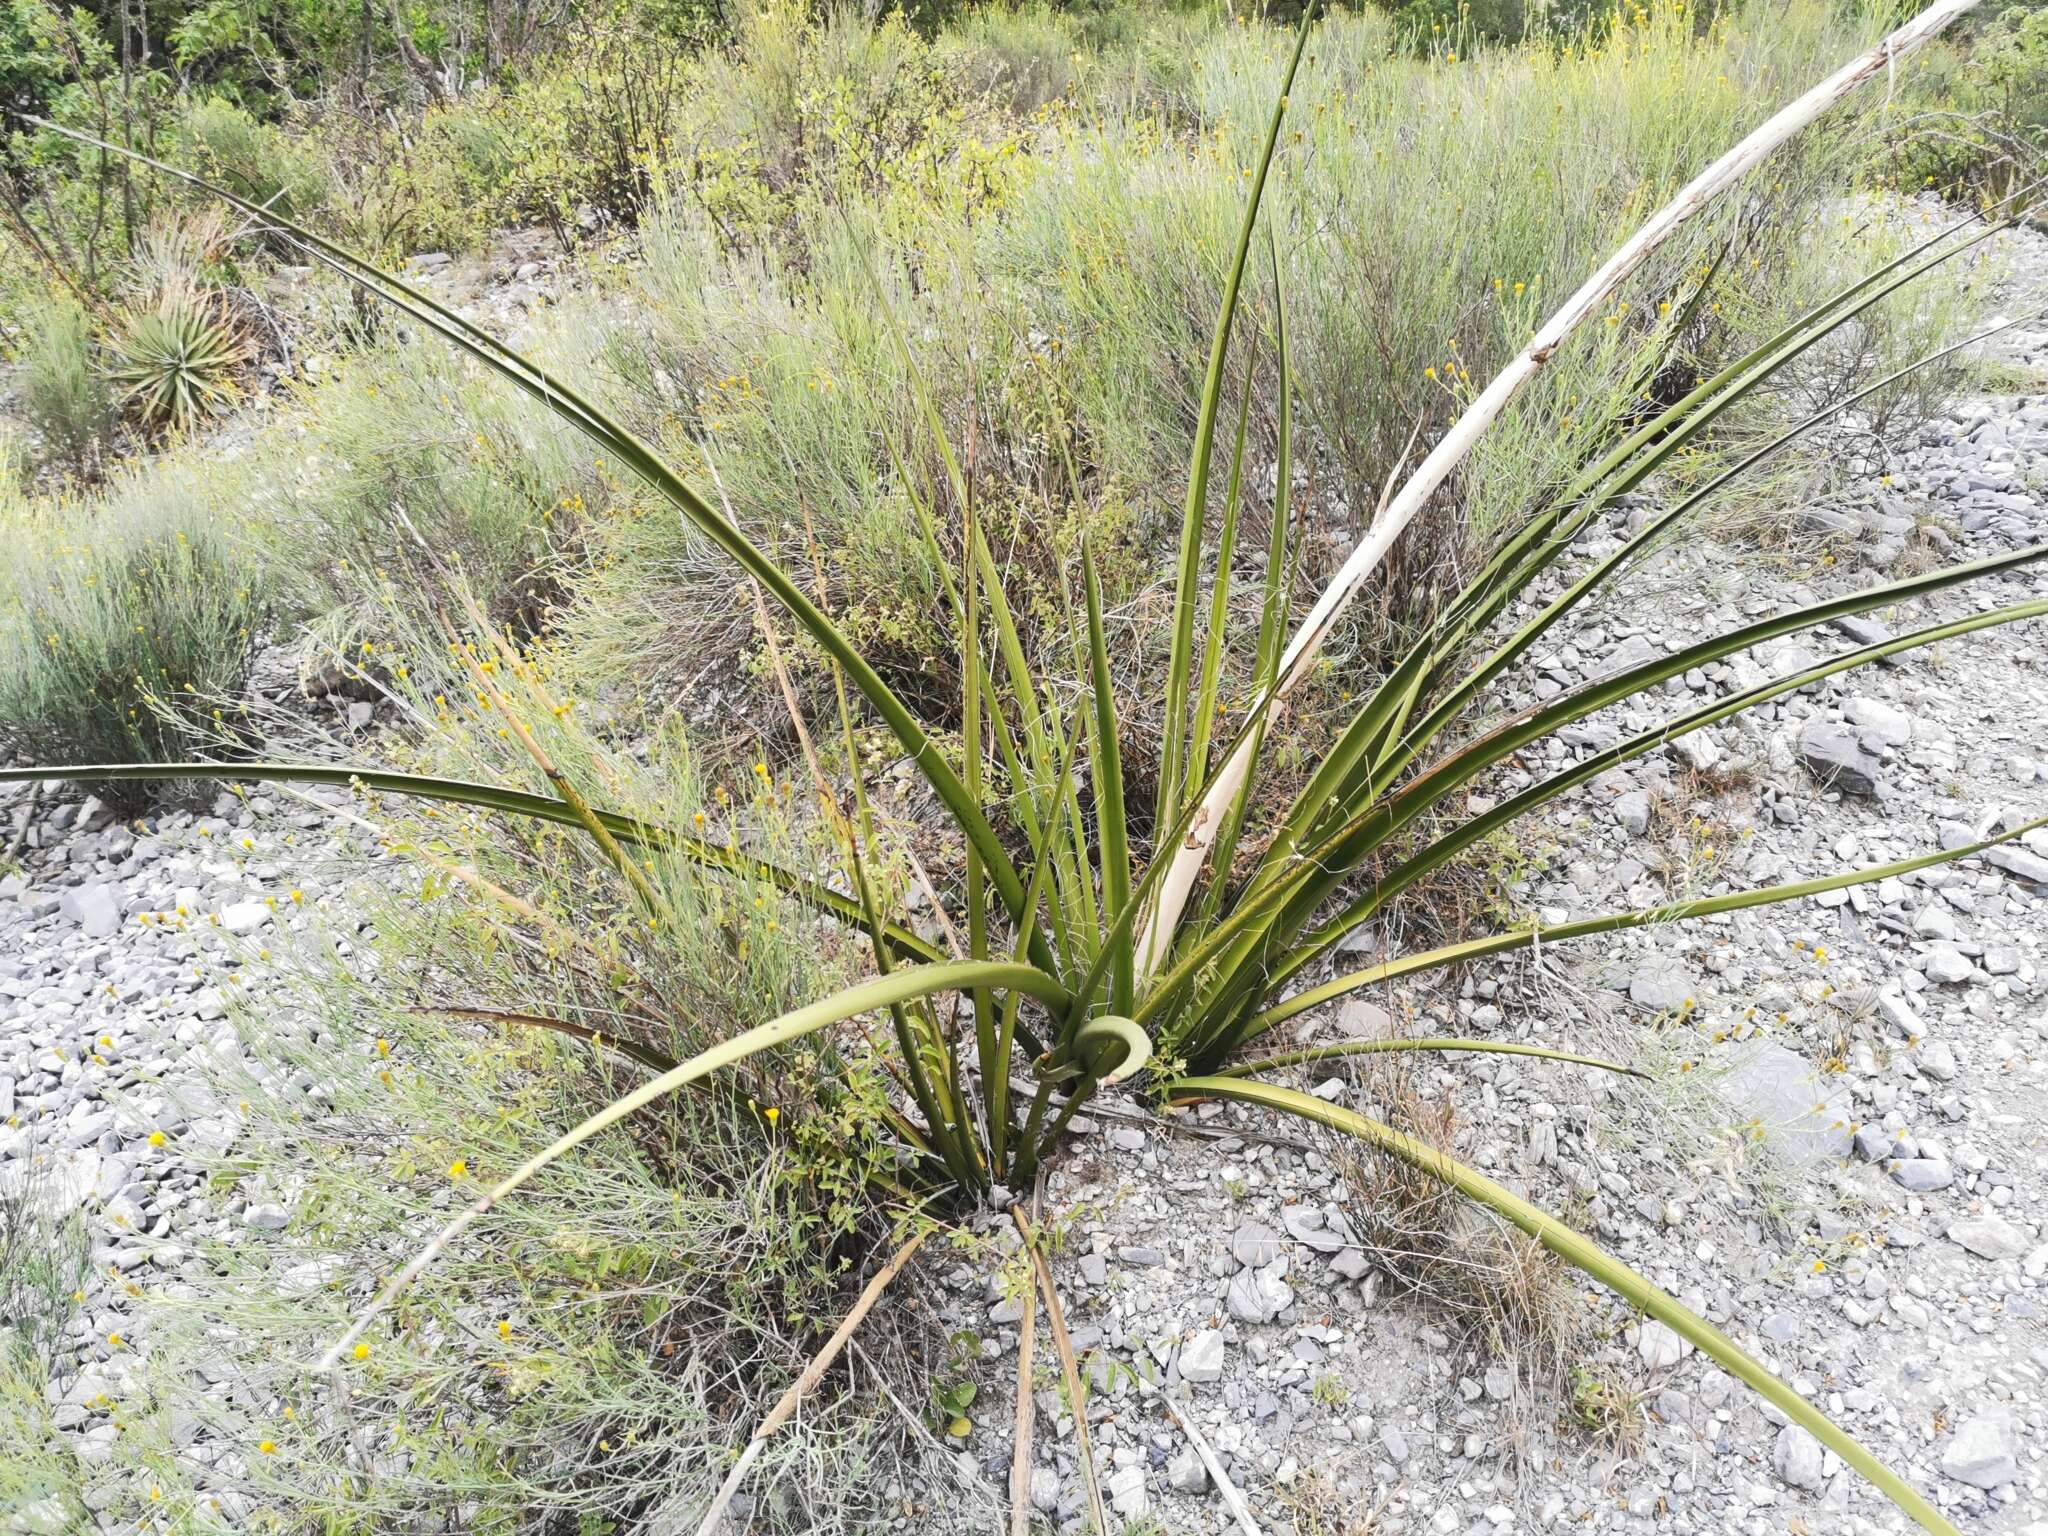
[
  {"x": 504, "y": 1327},
  {"x": 362, "y": 1351},
  {"x": 157, "y": 1138},
  {"x": 267, "y": 1447},
  {"x": 459, "y": 1169}
]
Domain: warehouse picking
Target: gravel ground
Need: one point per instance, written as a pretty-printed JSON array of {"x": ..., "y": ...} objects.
[{"x": 1841, "y": 1159}]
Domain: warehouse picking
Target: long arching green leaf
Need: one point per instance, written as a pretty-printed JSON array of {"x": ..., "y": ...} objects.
[
  {"x": 1312, "y": 1054},
  {"x": 1173, "y": 770},
  {"x": 1588, "y": 1257},
  {"x": 1107, "y": 763},
  {"x": 1612, "y": 922},
  {"x": 492, "y": 797},
  {"x": 1455, "y": 842},
  {"x": 1219, "y": 589},
  {"x": 1353, "y": 767},
  {"x": 1279, "y": 578},
  {"x": 877, "y": 992},
  {"x": 1321, "y": 869},
  {"x": 1233, "y": 947}
]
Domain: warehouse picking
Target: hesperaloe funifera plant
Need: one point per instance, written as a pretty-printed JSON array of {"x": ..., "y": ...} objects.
[{"x": 1086, "y": 964}]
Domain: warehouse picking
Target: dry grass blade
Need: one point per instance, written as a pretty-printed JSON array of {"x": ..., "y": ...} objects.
[
  {"x": 1070, "y": 1372},
  {"x": 653, "y": 1060},
  {"x": 1027, "y": 1413},
  {"x": 1232, "y": 1499},
  {"x": 813, "y": 1374},
  {"x": 1020, "y": 1460}
]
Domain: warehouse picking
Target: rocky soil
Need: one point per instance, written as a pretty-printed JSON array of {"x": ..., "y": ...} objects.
[{"x": 1840, "y": 1156}]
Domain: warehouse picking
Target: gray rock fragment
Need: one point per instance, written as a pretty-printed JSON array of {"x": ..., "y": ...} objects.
[
  {"x": 1803, "y": 1114},
  {"x": 1837, "y": 757},
  {"x": 1201, "y": 1357},
  {"x": 1981, "y": 1454},
  {"x": 1798, "y": 1458},
  {"x": 93, "y": 908},
  {"x": 1988, "y": 1237}
]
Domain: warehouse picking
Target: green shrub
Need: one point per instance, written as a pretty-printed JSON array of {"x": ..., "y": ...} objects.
[
  {"x": 125, "y": 625},
  {"x": 583, "y": 131},
  {"x": 440, "y": 183},
  {"x": 1973, "y": 113},
  {"x": 63, "y": 394},
  {"x": 593, "y": 1361},
  {"x": 1025, "y": 55},
  {"x": 225, "y": 143}
]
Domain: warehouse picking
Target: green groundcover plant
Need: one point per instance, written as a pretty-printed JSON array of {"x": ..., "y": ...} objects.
[{"x": 1084, "y": 960}]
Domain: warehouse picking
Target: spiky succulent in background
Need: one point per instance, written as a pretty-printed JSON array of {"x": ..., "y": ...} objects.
[{"x": 177, "y": 360}]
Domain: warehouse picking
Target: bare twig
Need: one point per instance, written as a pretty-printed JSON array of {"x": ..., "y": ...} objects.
[
  {"x": 938, "y": 907},
  {"x": 813, "y": 1374},
  {"x": 19, "y": 840},
  {"x": 1068, "y": 1369},
  {"x": 1232, "y": 1499},
  {"x": 1020, "y": 1461}
]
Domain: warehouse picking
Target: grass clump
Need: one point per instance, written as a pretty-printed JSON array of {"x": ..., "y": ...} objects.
[
  {"x": 1973, "y": 118},
  {"x": 44, "y": 1265},
  {"x": 1506, "y": 1292},
  {"x": 402, "y": 465},
  {"x": 585, "y": 1370},
  {"x": 64, "y": 396},
  {"x": 127, "y": 625}
]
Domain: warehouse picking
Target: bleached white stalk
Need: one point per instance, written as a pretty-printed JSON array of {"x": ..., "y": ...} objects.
[{"x": 1452, "y": 449}]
